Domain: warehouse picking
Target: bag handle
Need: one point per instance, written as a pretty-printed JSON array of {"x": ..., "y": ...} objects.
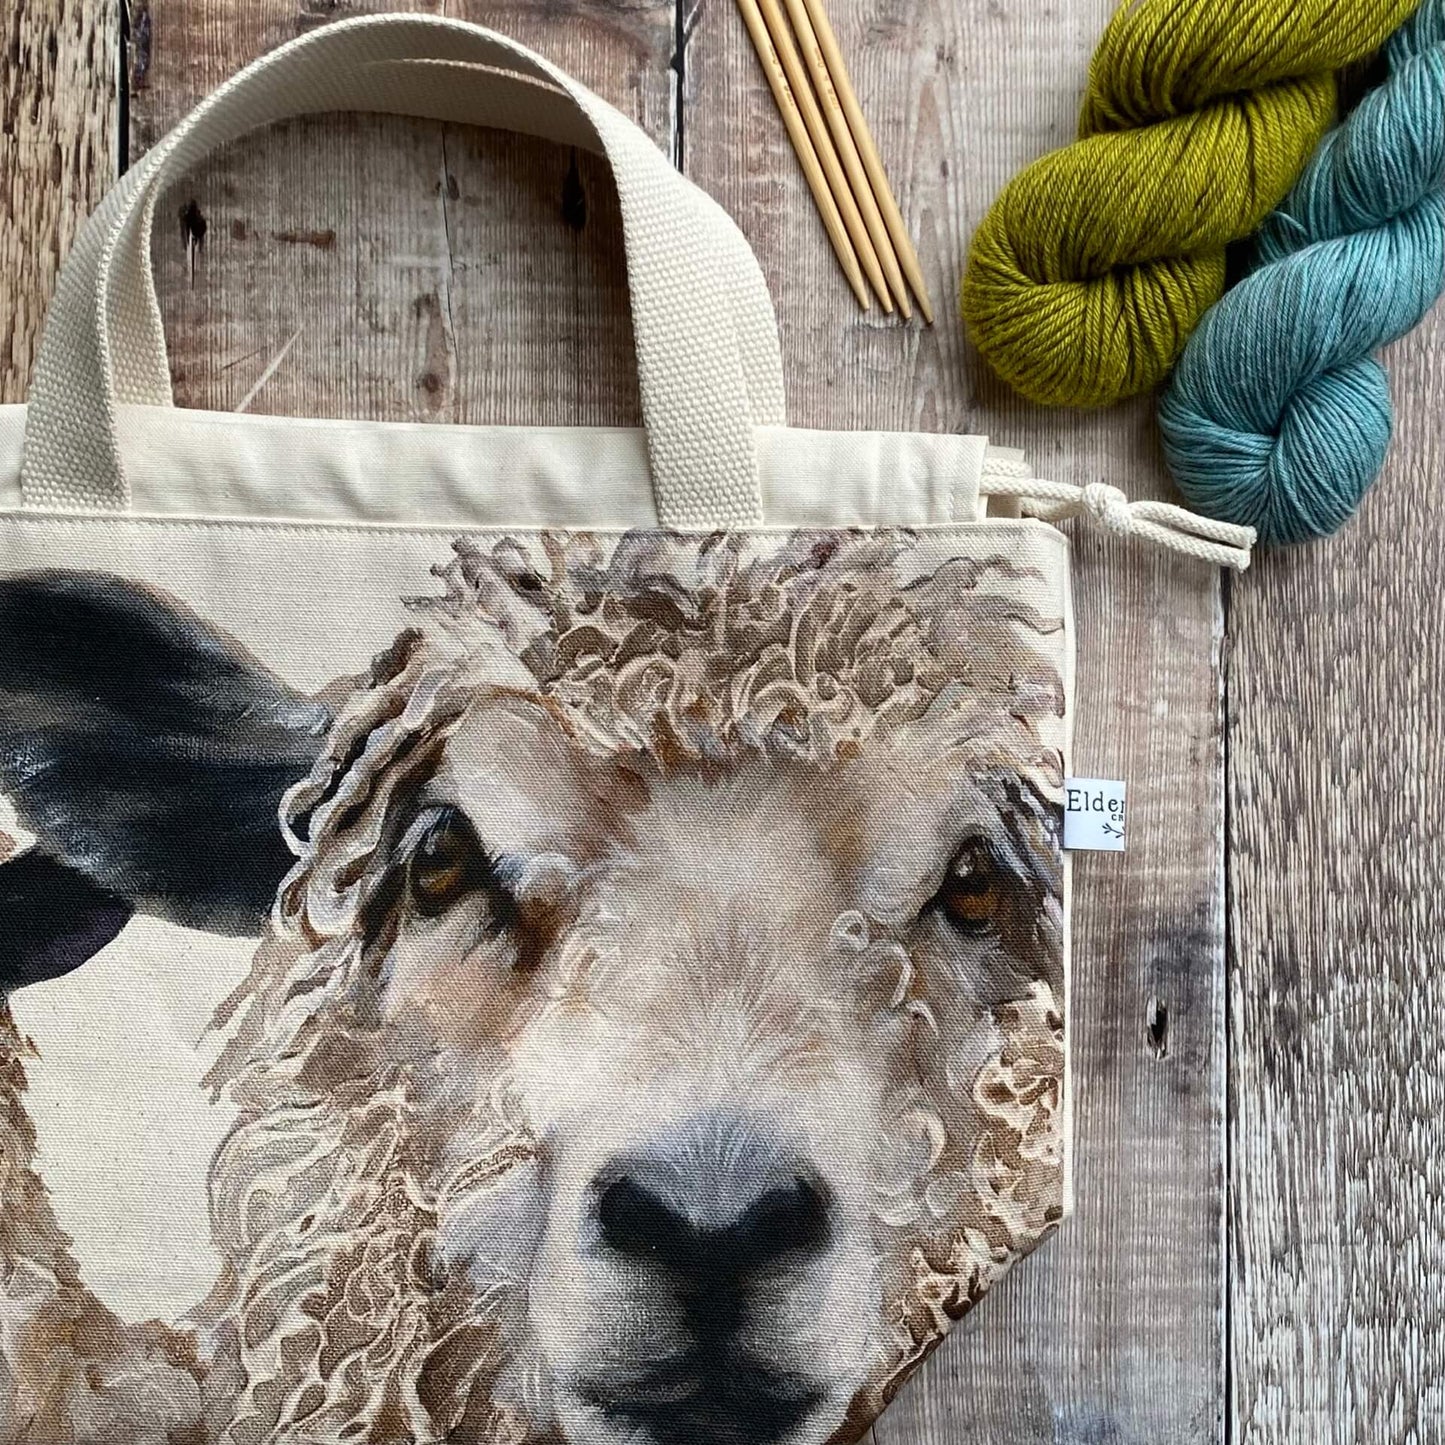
[{"x": 709, "y": 363}]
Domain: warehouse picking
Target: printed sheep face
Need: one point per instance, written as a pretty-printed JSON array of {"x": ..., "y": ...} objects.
[
  {"x": 739, "y": 1012},
  {"x": 659, "y": 1036}
]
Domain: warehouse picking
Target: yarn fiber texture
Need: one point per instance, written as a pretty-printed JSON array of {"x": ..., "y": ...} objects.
[
  {"x": 1096, "y": 262},
  {"x": 1279, "y": 415}
]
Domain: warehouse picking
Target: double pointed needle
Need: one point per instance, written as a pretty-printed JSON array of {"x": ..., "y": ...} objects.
[{"x": 789, "y": 106}]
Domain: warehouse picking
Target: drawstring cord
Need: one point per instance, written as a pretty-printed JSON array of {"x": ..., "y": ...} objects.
[{"x": 1221, "y": 544}]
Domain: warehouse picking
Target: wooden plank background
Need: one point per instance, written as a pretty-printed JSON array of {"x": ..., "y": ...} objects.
[{"x": 1259, "y": 1249}]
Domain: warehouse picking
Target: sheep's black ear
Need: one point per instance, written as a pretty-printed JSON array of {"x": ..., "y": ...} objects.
[
  {"x": 146, "y": 750},
  {"x": 52, "y": 919}
]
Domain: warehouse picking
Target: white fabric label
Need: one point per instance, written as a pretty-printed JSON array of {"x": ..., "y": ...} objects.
[{"x": 1094, "y": 814}]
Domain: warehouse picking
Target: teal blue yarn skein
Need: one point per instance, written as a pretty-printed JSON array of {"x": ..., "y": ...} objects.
[{"x": 1278, "y": 414}]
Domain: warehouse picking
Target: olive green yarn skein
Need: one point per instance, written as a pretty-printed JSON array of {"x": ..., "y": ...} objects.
[{"x": 1095, "y": 263}]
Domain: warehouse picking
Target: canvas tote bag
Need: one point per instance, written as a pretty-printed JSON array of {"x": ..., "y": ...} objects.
[{"x": 515, "y": 935}]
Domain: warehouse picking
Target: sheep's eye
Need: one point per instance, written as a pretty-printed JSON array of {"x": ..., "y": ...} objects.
[
  {"x": 446, "y": 862},
  {"x": 972, "y": 895}
]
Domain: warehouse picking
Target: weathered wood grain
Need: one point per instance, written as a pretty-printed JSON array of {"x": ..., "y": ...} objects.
[
  {"x": 1113, "y": 1333},
  {"x": 407, "y": 267},
  {"x": 1337, "y": 978},
  {"x": 368, "y": 267},
  {"x": 58, "y": 118}
]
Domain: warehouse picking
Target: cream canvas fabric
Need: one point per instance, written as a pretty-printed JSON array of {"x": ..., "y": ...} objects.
[{"x": 516, "y": 935}]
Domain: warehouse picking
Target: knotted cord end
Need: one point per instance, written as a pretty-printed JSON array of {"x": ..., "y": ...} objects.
[{"x": 1221, "y": 544}]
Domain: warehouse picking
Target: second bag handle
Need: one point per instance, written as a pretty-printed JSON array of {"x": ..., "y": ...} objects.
[{"x": 709, "y": 365}]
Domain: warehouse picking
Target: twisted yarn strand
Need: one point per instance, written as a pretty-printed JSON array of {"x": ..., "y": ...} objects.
[
  {"x": 1096, "y": 262},
  {"x": 1279, "y": 415}
]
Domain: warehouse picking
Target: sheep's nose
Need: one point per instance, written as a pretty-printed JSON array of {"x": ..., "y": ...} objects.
[
  {"x": 719, "y": 1224},
  {"x": 778, "y": 1219},
  {"x": 699, "y": 1210}
]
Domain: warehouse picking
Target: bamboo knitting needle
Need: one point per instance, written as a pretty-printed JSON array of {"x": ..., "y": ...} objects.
[
  {"x": 858, "y": 180},
  {"x": 848, "y": 97},
  {"x": 803, "y": 147},
  {"x": 799, "y": 100},
  {"x": 802, "y": 88}
]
